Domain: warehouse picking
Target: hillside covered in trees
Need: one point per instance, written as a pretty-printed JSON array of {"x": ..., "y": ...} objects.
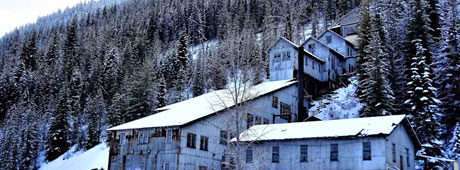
[
  {"x": 73, "y": 74},
  {"x": 67, "y": 78}
]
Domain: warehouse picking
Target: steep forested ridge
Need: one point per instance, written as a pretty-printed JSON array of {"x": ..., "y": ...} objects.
[{"x": 71, "y": 75}]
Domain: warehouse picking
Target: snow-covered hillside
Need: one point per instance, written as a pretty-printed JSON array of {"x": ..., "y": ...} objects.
[
  {"x": 340, "y": 104},
  {"x": 95, "y": 158}
]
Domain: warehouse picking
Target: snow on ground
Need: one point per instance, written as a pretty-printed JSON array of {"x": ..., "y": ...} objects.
[
  {"x": 95, "y": 158},
  {"x": 341, "y": 104}
]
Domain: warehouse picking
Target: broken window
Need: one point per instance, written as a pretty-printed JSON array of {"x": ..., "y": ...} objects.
[
  {"x": 204, "y": 143},
  {"x": 191, "y": 140}
]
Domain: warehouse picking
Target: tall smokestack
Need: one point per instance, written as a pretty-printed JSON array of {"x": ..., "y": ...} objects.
[{"x": 300, "y": 91}]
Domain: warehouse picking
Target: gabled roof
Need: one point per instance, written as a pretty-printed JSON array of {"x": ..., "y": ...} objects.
[
  {"x": 188, "y": 111},
  {"x": 297, "y": 46},
  {"x": 321, "y": 43},
  {"x": 350, "y": 18},
  {"x": 338, "y": 35},
  {"x": 356, "y": 127}
]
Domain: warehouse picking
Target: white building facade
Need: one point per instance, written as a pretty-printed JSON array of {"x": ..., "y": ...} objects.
[
  {"x": 321, "y": 145},
  {"x": 194, "y": 134}
]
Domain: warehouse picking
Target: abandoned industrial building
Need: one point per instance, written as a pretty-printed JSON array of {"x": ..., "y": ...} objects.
[{"x": 197, "y": 133}]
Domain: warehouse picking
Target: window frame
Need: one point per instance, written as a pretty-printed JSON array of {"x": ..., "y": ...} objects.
[
  {"x": 393, "y": 152},
  {"x": 249, "y": 155},
  {"x": 407, "y": 157},
  {"x": 275, "y": 154},
  {"x": 204, "y": 141},
  {"x": 275, "y": 102},
  {"x": 285, "y": 107},
  {"x": 334, "y": 152},
  {"x": 328, "y": 39},
  {"x": 367, "y": 151},
  {"x": 223, "y": 137},
  {"x": 303, "y": 153},
  {"x": 249, "y": 120},
  {"x": 191, "y": 140}
]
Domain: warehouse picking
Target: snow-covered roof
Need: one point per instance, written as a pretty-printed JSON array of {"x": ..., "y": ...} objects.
[
  {"x": 354, "y": 39},
  {"x": 187, "y": 111},
  {"x": 328, "y": 47},
  {"x": 313, "y": 56},
  {"x": 354, "y": 127}
]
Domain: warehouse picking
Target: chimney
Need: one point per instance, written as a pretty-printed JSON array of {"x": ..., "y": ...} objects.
[{"x": 300, "y": 91}]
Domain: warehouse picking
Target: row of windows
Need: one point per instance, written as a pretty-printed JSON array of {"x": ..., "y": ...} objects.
[
  {"x": 285, "y": 109},
  {"x": 313, "y": 64},
  {"x": 143, "y": 137},
  {"x": 191, "y": 141},
  {"x": 283, "y": 56},
  {"x": 303, "y": 153},
  {"x": 252, "y": 120}
]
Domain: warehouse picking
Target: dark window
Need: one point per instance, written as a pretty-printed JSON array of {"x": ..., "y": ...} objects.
[
  {"x": 204, "y": 143},
  {"x": 328, "y": 39},
  {"x": 275, "y": 102},
  {"x": 393, "y": 152},
  {"x": 249, "y": 121},
  {"x": 312, "y": 65},
  {"x": 159, "y": 132},
  {"x": 201, "y": 167},
  {"x": 334, "y": 152},
  {"x": 306, "y": 61},
  {"x": 175, "y": 135},
  {"x": 311, "y": 47},
  {"x": 407, "y": 157},
  {"x": 258, "y": 120},
  {"x": 275, "y": 154},
  {"x": 249, "y": 155},
  {"x": 303, "y": 153},
  {"x": 223, "y": 137},
  {"x": 367, "y": 153},
  {"x": 285, "y": 109},
  {"x": 349, "y": 51},
  {"x": 191, "y": 140},
  {"x": 266, "y": 121}
]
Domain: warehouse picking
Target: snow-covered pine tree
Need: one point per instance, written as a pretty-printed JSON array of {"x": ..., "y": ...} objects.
[
  {"x": 58, "y": 134},
  {"x": 181, "y": 68},
  {"x": 424, "y": 113},
  {"x": 449, "y": 84},
  {"x": 364, "y": 52},
  {"x": 94, "y": 109},
  {"x": 379, "y": 95}
]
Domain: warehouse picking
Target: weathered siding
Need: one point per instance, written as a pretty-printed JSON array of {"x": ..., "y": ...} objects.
[
  {"x": 349, "y": 155},
  {"x": 402, "y": 141},
  {"x": 166, "y": 152},
  {"x": 282, "y": 57}
]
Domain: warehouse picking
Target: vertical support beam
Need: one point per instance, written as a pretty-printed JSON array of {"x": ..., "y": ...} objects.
[{"x": 301, "y": 84}]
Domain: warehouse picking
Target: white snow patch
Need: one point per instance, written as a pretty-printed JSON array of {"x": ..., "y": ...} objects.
[
  {"x": 201, "y": 49},
  {"x": 95, "y": 158},
  {"x": 368, "y": 126},
  {"x": 341, "y": 104}
]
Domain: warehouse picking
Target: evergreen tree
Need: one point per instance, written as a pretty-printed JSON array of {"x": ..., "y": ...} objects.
[
  {"x": 379, "y": 95},
  {"x": 364, "y": 51},
  {"x": 424, "y": 113},
  {"x": 95, "y": 111},
  {"x": 450, "y": 80},
  {"x": 58, "y": 134}
]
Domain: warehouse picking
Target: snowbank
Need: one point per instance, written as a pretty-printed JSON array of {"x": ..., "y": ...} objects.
[
  {"x": 95, "y": 158},
  {"x": 341, "y": 104}
]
